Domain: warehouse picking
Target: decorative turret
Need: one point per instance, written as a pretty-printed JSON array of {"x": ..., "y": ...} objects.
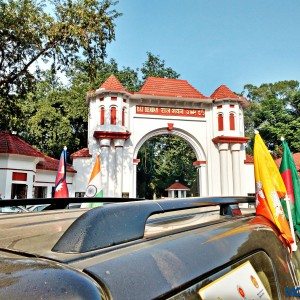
[
  {"x": 228, "y": 112},
  {"x": 108, "y": 107}
]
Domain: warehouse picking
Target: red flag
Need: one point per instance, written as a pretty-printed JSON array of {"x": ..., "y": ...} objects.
[{"x": 61, "y": 188}]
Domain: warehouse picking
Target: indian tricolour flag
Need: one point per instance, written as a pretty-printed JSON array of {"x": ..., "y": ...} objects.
[
  {"x": 291, "y": 179},
  {"x": 94, "y": 188}
]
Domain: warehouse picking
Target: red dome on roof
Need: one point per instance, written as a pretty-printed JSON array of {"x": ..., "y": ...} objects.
[
  {"x": 223, "y": 92},
  {"x": 112, "y": 84}
]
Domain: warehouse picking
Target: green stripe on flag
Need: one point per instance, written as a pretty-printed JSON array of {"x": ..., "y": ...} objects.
[{"x": 291, "y": 179}]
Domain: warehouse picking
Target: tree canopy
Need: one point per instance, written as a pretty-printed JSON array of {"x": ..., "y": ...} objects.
[
  {"x": 275, "y": 111},
  {"x": 33, "y": 33}
]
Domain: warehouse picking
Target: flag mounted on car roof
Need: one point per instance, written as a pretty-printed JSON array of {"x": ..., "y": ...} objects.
[
  {"x": 269, "y": 189},
  {"x": 61, "y": 188},
  {"x": 291, "y": 179}
]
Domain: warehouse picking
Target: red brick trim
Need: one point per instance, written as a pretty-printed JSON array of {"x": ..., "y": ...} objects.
[
  {"x": 230, "y": 139},
  {"x": 112, "y": 135},
  {"x": 199, "y": 163},
  {"x": 136, "y": 161}
]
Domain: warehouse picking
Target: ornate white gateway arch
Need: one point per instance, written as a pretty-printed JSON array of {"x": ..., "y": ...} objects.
[{"x": 120, "y": 122}]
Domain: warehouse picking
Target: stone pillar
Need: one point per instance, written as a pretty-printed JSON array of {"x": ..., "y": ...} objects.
[
  {"x": 202, "y": 177},
  {"x": 223, "y": 149},
  {"x": 105, "y": 151},
  {"x": 119, "y": 144},
  {"x": 236, "y": 172},
  {"x": 135, "y": 163}
]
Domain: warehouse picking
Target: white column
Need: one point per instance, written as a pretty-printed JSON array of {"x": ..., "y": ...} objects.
[
  {"x": 236, "y": 173},
  {"x": 49, "y": 191},
  {"x": 204, "y": 182},
  {"x": 105, "y": 149},
  {"x": 119, "y": 167},
  {"x": 202, "y": 179},
  {"x": 223, "y": 149},
  {"x": 135, "y": 163},
  {"x": 200, "y": 184},
  {"x": 29, "y": 184}
]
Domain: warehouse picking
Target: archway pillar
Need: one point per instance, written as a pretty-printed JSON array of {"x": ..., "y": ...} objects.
[
  {"x": 236, "y": 172},
  {"x": 119, "y": 144},
  {"x": 135, "y": 164},
  {"x": 105, "y": 153},
  {"x": 223, "y": 149},
  {"x": 231, "y": 158},
  {"x": 202, "y": 178}
]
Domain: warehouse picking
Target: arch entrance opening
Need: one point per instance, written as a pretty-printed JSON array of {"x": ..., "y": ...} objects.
[{"x": 163, "y": 160}]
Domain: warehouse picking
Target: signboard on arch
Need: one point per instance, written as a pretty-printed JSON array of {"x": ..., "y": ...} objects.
[{"x": 169, "y": 111}]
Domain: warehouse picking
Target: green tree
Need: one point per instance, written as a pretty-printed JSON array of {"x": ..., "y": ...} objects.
[
  {"x": 274, "y": 111},
  {"x": 31, "y": 34},
  {"x": 155, "y": 66},
  {"x": 49, "y": 122}
]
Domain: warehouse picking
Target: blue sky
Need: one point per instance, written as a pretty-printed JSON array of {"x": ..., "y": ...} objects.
[{"x": 212, "y": 42}]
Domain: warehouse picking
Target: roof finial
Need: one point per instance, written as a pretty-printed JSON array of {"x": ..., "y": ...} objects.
[
  {"x": 282, "y": 139},
  {"x": 256, "y": 131}
]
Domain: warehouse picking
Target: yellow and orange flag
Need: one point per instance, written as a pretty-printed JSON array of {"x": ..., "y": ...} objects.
[{"x": 269, "y": 188}]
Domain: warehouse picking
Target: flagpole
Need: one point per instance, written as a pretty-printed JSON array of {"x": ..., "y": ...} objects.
[{"x": 287, "y": 201}]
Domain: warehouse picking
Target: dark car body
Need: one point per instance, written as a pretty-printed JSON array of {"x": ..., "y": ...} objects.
[{"x": 140, "y": 250}]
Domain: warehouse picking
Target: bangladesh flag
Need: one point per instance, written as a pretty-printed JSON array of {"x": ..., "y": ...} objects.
[{"x": 291, "y": 179}]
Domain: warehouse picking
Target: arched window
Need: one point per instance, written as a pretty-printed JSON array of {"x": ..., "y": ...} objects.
[
  {"x": 113, "y": 115},
  {"x": 102, "y": 115},
  {"x": 123, "y": 117},
  {"x": 231, "y": 121},
  {"x": 220, "y": 122}
]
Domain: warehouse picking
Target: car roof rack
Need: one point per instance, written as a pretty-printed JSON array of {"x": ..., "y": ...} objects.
[
  {"x": 110, "y": 225},
  {"x": 61, "y": 203}
]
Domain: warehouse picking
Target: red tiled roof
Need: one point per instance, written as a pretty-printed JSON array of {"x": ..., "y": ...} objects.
[
  {"x": 170, "y": 88},
  {"x": 223, "y": 92},
  {"x": 249, "y": 159},
  {"x": 296, "y": 157},
  {"x": 177, "y": 186},
  {"x": 113, "y": 84},
  {"x": 52, "y": 164},
  {"x": 81, "y": 153},
  {"x": 12, "y": 144}
]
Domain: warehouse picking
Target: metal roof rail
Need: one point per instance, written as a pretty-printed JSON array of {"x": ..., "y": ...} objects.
[
  {"x": 110, "y": 225},
  {"x": 60, "y": 203}
]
